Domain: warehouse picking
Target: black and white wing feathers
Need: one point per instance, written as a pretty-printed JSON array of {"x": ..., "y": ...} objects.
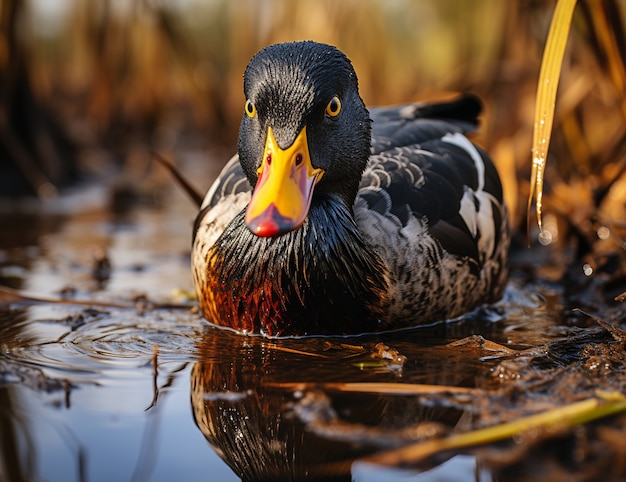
[
  {"x": 420, "y": 122},
  {"x": 438, "y": 199}
]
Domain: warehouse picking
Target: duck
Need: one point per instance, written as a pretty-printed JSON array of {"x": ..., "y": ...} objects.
[{"x": 336, "y": 219}]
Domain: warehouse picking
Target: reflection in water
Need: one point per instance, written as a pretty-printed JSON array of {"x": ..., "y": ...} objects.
[
  {"x": 73, "y": 397},
  {"x": 17, "y": 432},
  {"x": 75, "y": 382},
  {"x": 15, "y": 462},
  {"x": 265, "y": 431}
]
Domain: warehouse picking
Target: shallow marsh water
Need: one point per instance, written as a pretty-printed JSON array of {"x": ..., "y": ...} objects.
[{"x": 112, "y": 393}]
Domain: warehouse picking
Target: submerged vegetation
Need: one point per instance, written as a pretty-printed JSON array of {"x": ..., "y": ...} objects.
[{"x": 103, "y": 84}]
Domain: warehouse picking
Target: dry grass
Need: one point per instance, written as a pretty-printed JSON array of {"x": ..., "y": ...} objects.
[{"x": 170, "y": 76}]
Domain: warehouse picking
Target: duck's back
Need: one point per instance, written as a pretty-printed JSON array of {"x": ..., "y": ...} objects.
[{"x": 430, "y": 203}]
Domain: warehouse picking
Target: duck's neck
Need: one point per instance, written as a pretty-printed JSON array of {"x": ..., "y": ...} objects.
[{"x": 321, "y": 278}]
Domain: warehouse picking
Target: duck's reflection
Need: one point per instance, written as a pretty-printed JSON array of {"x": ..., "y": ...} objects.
[{"x": 265, "y": 428}]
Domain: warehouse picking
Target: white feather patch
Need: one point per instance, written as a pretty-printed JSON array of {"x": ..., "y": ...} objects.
[
  {"x": 468, "y": 211},
  {"x": 464, "y": 143}
]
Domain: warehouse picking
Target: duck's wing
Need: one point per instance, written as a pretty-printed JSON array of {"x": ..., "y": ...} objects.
[
  {"x": 226, "y": 197},
  {"x": 230, "y": 182},
  {"x": 424, "y": 168}
]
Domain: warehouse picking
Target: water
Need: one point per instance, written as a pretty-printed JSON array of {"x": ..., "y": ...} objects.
[{"x": 109, "y": 393}]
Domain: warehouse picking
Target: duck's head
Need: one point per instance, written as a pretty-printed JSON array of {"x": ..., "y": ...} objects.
[{"x": 305, "y": 132}]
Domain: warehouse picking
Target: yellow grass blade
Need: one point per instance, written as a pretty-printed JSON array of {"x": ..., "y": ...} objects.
[
  {"x": 546, "y": 96},
  {"x": 560, "y": 418}
]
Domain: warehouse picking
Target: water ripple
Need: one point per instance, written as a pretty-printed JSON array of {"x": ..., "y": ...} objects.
[{"x": 102, "y": 341}]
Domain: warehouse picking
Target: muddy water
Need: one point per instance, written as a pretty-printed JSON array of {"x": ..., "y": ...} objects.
[{"x": 113, "y": 393}]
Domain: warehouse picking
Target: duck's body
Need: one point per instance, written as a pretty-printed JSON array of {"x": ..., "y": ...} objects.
[{"x": 398, "y": 227}]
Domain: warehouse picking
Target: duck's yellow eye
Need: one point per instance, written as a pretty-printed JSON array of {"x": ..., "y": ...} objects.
[
  {"x": 334, "y": 107},
  {"x": 250, "y": 108}
]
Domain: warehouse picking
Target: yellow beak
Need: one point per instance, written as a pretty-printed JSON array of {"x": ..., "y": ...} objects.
[{"x": 282, "y": 196}]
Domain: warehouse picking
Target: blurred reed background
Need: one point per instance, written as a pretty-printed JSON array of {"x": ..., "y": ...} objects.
[{"x": 113, "y": 76}]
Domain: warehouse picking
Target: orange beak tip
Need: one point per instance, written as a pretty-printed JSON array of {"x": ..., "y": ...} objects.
[{"x": 271, "y": 223}]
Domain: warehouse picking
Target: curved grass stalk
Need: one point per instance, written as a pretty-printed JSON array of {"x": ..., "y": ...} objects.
[
  {"x": 578, "y": 413},
  {"x": 546, "y": 95}
]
